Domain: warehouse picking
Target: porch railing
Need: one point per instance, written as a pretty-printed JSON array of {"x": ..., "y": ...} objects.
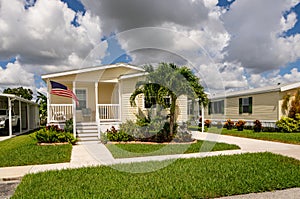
[
  {"x": 60, "y": 112},
  {"x": 109, "y": 112}
]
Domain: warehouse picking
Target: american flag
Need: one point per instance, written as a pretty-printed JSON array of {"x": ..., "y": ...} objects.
[{"x": 61, "y": 90}]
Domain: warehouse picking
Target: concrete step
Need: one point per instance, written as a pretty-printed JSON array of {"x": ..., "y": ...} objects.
[
  {"x": 86, "y": 127},
  {"x": 81, "y": 135},
  {"x": 87, "y": 131}
]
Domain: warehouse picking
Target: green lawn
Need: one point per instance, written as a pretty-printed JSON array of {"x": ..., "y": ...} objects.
[
  {"x": 185, "y": 178},
  {"x": 291, "y": 138},
  {"x": 23, "y": 150},
  {"x": 137, "y": 150}
]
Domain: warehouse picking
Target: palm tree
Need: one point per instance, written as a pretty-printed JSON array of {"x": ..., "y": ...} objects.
[{"x": 168, "y": 80}]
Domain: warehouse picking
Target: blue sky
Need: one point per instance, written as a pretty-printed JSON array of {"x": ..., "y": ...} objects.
[{"x": 249, "y": 50}]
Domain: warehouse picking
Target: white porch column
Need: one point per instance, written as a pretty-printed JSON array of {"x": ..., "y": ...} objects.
[
  {"x": 97, "y": 109},
  {"x": 120, "y": 101},
  {"x": 202, "y": 118},
  {"x": 20, "y": 115},
  {"x": 74, "y": 110},
  {"x": 9, "y": 118},
  {"x": 28, "y": 115},
  {"x": 48, "y": 102}
]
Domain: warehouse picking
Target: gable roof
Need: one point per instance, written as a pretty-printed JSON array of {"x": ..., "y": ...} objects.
[
  {"x": 91, "y": 69},
  {"x": 267, "y": 89}
]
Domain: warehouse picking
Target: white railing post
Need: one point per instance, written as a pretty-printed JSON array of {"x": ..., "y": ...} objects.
[
  {"x": 74, "y": 110},
  {"x": 28, "y": 115},
  {"x": 97, "y": 109},
  {"x": 48, "y": 103},
  {"x": 202, "y": 118},
  {"x": 9, "y": 118},
  {"x": 20, "y": 115}
]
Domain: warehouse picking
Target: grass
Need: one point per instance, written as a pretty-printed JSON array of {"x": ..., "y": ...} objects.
[
  {"x": 291, "y": 138},
  {"x": 185, "y": 178},
  {"x": 137, "y": 150},
  {"x": 23, "y": 150}
]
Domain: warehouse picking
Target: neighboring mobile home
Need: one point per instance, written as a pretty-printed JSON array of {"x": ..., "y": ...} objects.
[
  {"x": 103, "y": 93},
  {"x": 262, "y": 104},
  {"x": 17, "y": 115}
]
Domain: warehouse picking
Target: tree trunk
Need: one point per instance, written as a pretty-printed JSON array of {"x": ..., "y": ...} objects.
[{"x": 172, "y": 114}]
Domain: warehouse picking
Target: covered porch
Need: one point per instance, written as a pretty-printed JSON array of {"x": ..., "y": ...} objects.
[{"x": 17, "y": 115}]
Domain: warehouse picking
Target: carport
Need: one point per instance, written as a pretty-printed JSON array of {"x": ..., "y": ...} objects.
[{"x": 21, "y": 116}]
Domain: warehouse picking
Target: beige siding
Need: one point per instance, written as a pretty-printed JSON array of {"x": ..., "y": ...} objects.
[
  {"x": 264, "y": 107},
  {"x": 181, "y": 106},
  {"x": 107, "y": 93},
  {"x": 127, "y": 88}
]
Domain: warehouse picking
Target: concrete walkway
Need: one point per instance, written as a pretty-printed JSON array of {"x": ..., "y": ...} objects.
[{"x": 95, "y": 154}]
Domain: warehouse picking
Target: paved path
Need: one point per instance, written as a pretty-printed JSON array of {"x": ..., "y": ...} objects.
[
  {"x": 253, "y": 145},
  {"x": 95, "y": 154}
]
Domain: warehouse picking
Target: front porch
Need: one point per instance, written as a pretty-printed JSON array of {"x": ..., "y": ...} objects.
[{"x": 99, "y": 107}]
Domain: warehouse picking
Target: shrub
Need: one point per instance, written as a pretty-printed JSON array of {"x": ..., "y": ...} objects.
[
  {"x": 287, "y": 125},
  {"x": 269, "y": 129},
  {"x": 257, "y": 126},
  {"x": 228, "y": 124},
  {"x": 53, "y": 134},
  {"x": 240, "y": 125},
  {"x": 118, "y": 136},
  {"x": 69, "y": 126},
  {"x": 182, "y": 134},
  {"x": 207, "y": 123}
]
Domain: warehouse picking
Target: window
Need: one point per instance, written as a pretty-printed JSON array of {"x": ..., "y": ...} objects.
[
  {"x": 245, "y": 105},
  {"x": 81, "y": 95},
  {"x": 216, "y": 107},
  {"x": 152, "y": 102}
]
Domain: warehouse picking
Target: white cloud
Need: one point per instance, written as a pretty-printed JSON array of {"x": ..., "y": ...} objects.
[
  {"x": 256, "y": 27},
  {"x": 288, "y": 22},
  {"x": 43, "y": 34},
  {"x": 15, "y": 75}
]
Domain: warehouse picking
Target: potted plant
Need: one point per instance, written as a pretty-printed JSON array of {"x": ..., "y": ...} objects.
[
  {"x": 229, "y": 124},
  {"x": 207, "y": 123},
  {"x": 240, "y": 125},
  {"x": 257, "y": 126}
]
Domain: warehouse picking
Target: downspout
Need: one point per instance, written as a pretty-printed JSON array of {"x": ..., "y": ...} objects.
[
  {"x": 20, "y": 115},
  {"x": 9, "y": 118}
]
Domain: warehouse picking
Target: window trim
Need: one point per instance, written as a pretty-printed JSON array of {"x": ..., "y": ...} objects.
[
  {"x": 86, "y": 97},
  {"x": 250, "y": 105},
  {"x": 211, "y": 110}
]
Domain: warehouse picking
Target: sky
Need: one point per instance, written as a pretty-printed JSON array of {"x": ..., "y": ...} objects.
[{"x": 229, "y": 44}]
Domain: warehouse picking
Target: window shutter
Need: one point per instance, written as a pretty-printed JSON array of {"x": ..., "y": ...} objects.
[
  {"x": 209, "y": 108},
  {"x": 240, "y": 105},
  {"x": 250, "y": 104}
]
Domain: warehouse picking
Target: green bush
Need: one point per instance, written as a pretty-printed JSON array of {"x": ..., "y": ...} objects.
[
  {"x": 288, "y": 125},
  {"x": 69, "y": 126},
  {"x": 53, "y": 134},
  {"x": 114, "y": 135}
]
